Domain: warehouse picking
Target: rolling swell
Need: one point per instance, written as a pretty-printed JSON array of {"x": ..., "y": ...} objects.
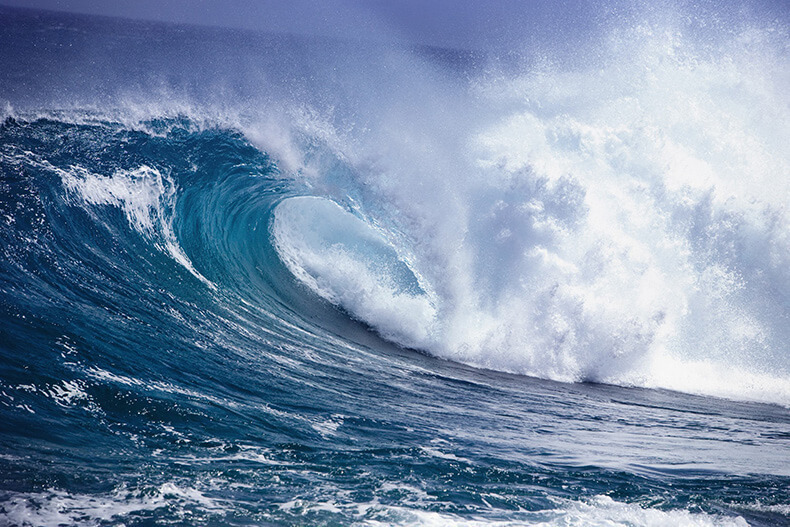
[
  {"x": 615, "y": 214},
  {"x": 171, "y": 210},
  {"x": 208, "y": 295},
  {"x": 520, "y": 268},
  {"x": 155, "y": 237},
  {"x": 142, "y": 297},
  {"x": 163, "y": 325}
]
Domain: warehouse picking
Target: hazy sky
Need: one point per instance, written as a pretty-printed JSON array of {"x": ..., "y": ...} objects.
[
  {"x": 456, "y": 23},
  {"x": 472, "y": 24}
]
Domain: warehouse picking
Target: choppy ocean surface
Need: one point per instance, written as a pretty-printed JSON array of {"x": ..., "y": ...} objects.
[{"x": 252, "y": 279}]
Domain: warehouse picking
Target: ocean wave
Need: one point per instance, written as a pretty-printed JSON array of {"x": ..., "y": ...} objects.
[{"x": 274, "y": 279}]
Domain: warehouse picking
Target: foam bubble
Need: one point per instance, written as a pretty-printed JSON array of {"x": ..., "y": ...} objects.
[
  {"x": 345, "y": 261},
  {"x": 57, "y": 507},
  {"x": 620, "y": 221},
  {"x": 147, "y": 198},
  {"x": 595, "y": 511}
]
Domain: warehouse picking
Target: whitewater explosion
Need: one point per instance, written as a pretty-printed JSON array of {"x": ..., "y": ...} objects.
[{"x": 478, "y": 264}]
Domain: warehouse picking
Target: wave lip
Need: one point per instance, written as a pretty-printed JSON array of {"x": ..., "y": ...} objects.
[
  {"x": 348, "y": 262},
  {"x": 147, "y": 198}
]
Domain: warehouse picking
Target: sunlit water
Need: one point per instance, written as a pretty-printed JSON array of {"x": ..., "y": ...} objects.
[{"x": 251, "y": 279}]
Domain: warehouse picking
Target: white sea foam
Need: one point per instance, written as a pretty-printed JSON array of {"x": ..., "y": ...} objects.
[
  {"x": 57, "y": 507},
  {"x": 347, "y": 262},
  {"x": 603, "y": 510},
  {"x": 144, "y": 194},
  {"x": 68, "y": 393},
  {"x": 596, "y": 511},
  {"x": 624, "y": 221}
]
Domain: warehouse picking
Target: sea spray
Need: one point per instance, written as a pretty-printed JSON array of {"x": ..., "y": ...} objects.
[
  {"x": 612, "y": 212},
  {"x": 595, "y": 222}
]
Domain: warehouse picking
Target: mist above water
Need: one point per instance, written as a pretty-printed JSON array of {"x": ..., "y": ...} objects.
[
  {"x": 618, "y": 216},
  {"x": 603, "y": 203}
]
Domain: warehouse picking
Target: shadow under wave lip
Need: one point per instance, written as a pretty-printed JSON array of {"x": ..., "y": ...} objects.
[
  {"x": 132, "y": 393},
  {"x": 458, "y": 430}
]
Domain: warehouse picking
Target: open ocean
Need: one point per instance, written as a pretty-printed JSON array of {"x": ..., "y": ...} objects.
[{"x": 275, "y": 279}]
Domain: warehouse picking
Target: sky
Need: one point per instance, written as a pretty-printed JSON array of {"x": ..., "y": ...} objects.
[
  {"x": 449, "y": 23},
  {"x": 465, "y": 24}
]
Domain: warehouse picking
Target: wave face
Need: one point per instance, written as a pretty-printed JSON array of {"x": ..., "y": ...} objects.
[
  {"x": 255, "y": 279},
  {"x": 621, "y": 221}
]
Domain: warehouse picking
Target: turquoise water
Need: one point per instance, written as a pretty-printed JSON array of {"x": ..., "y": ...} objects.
[{"x": 532, "y": 295}]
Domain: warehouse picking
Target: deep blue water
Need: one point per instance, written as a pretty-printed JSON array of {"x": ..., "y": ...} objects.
[{"x": 278, "y": 280}]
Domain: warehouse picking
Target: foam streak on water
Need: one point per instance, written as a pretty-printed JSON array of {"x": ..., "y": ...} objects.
[{"x": 256, "y": 279}]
